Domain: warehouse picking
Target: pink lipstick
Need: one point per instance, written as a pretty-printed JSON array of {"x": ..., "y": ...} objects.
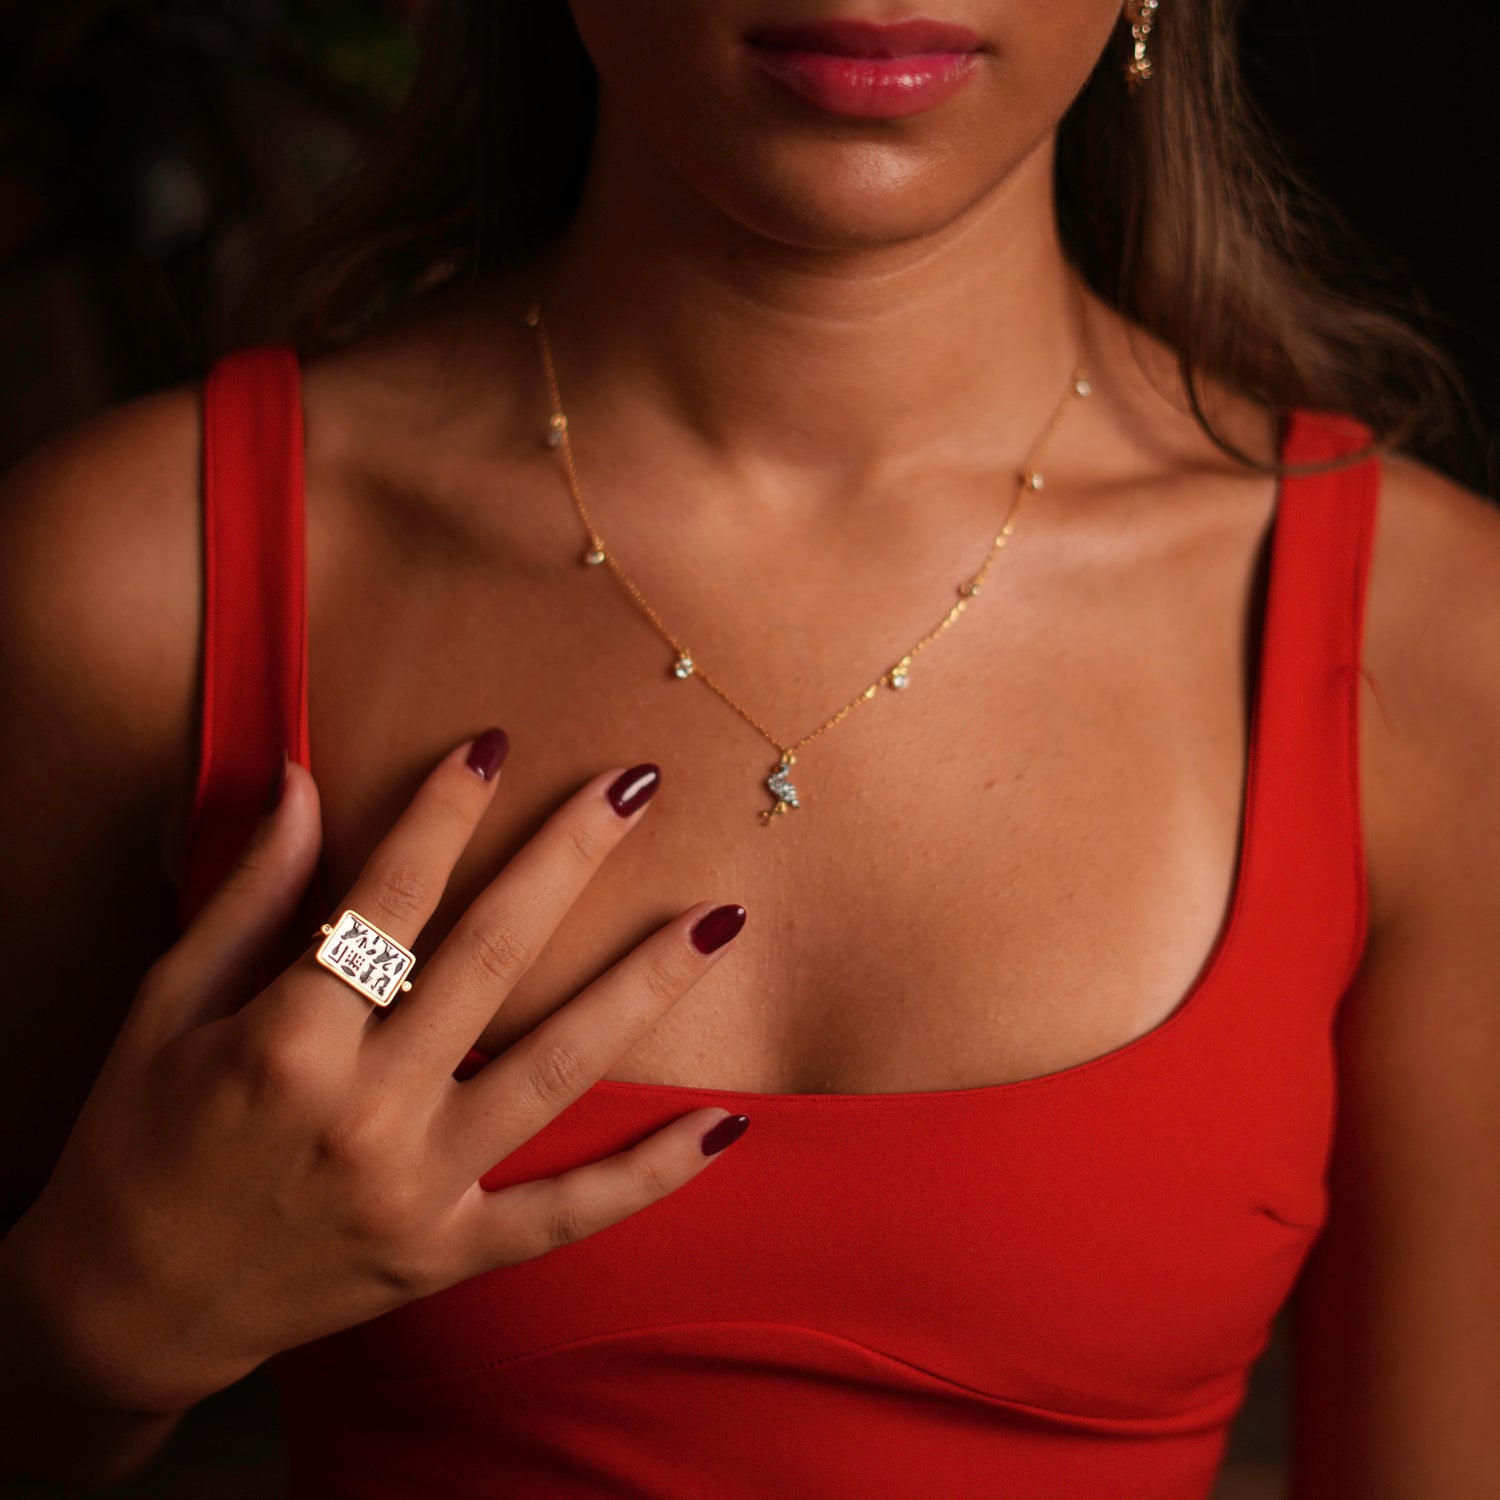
[{"x": 866, "y": 70}]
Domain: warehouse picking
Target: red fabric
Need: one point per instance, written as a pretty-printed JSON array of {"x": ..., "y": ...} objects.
[
  {"x": 254, "y": 682},
  {"x": 1051, "y": 1288}
]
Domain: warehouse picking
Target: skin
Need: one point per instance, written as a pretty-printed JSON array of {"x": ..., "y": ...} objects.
[{"x": 802, "y": 360}]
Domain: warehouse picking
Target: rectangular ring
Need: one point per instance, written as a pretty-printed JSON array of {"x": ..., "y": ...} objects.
[{"x": 363, "y": 956}]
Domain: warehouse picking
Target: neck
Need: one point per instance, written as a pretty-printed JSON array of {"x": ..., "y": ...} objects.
[{"x": 668, "y": 319}]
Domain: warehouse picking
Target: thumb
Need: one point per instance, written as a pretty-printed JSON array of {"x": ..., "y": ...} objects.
[{"x": 224, "y": 954}]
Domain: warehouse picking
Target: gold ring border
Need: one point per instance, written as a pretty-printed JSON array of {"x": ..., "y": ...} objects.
[{"x": 327, "y": 930}]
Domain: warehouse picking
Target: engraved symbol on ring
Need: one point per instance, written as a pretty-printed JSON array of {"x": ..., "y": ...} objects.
[{"x": 366, "y": 958}]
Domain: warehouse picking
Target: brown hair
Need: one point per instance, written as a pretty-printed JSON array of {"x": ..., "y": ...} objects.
[{"x": 1174, "y": 202}]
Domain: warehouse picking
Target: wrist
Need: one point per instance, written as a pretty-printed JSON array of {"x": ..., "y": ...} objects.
[{"x": 72, "y": 1339}]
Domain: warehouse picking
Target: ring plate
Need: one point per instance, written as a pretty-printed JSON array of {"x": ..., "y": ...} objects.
[{"x": 365, "y": 957}]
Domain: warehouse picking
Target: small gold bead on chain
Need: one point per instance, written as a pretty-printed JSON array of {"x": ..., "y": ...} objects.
[{"x": 898, "y": 677}]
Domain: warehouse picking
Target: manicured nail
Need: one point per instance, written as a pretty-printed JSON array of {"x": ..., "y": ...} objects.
[
  {"x": 487, "y": 753},
  {"x": 633, "y": 789},
  {"x": 715, "y": 928},
  {"x": 725, "y": 1133},
  {"x": 274, "y": 790}
]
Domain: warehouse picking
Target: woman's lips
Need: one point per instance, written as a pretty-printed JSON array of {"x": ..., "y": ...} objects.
[{"x": 865, "y": 70}]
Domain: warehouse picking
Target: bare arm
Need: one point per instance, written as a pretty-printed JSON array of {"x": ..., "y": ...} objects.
[
  {"x": 99, "y": 604},
  {"x": 249, "y": 1173},
  {"x": 1398, "y": 1314}
]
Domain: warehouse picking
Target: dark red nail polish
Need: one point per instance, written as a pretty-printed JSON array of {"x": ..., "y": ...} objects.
[
  {"x": 634, "y": 788},
  {"x": 274, "y": 790},
  {"x": 725, "y": 1133},
  {"x": 487, "y": 753},
  {"x": 715, "y": 928}
]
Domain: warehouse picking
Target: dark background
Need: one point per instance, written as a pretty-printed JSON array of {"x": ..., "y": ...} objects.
[{"x": 147, "y": 147}]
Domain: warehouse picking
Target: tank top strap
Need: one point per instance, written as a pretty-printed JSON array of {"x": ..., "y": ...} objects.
[
  {"x": 1307, "y": 863},
  {"x": 254, "y": 627}
]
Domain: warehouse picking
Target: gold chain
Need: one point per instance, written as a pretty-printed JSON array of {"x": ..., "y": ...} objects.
[{"x": 684, "y": 666}]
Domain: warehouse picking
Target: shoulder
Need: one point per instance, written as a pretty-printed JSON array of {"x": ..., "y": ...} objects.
[
  {"x": 1431, "y": 686},
  {"x": 99, "y": 582},
  {"x": 101, "y": 486},
  {"x": 98, "y": 641},
  {"x": 1398, "y": 1337}
]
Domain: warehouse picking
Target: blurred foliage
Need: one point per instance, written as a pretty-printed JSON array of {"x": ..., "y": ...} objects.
[
  {"x": 149, "y": 151},
  {"x": 370, "y": 50}
]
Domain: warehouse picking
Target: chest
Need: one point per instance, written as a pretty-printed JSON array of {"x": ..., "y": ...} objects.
[{"x": 1018, "y": 863}]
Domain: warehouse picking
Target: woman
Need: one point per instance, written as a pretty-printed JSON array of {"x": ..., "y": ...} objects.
[{"x": 1052, "y": 908}]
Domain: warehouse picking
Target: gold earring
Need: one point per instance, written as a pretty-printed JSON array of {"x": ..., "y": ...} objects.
[{"x": 1142, "y": 17}]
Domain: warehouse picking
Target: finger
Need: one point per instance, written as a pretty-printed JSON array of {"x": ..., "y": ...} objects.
[
  {"x": 496, "y": 940},
  {"x": 405, "y": 875},
  {"x": 529, "y": 1218},
  {"x": 204, "y": 974},
  {"x": 537, "y": 1077}
]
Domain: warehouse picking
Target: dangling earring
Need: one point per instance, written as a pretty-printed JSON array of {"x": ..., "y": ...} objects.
[{"x": 1142, "y": 16}]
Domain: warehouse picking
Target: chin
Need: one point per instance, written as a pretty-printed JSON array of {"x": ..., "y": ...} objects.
[
  {"x": 762, "y": 167},
  {"x": 846, "y": 195},
  {"x": 834, "y": 137}
]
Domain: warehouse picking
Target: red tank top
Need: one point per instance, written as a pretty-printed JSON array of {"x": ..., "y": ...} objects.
[{"x": 1048, "y": 1288}]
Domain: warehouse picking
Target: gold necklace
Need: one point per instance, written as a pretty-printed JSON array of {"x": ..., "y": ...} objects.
[{"x": 897, "y": 677}]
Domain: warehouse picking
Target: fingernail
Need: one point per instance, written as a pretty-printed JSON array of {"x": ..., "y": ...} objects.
[
  {"x": 712, "y": 930},
  {"x": 273, "y": 791},
  {"x": 487, "y": 753},
  {"x": 725, "y": 1133},
  {"x": 634, "y": 788}
]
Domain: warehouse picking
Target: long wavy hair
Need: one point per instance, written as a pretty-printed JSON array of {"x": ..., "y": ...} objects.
[{"x": 1173, "y": 201}]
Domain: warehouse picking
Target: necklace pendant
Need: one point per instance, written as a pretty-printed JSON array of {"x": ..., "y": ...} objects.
[
  {"x": 594, "y": 556},
  {"x": 780, "y": 785},
  {"x": 899, "y": 675},
  {"x": 683, "y": 666}
]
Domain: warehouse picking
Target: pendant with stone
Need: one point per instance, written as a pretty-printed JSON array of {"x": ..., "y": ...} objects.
[
  {"x": 781, "y": 788},
  {"x": 898, "y": 676},
  {"x": 683, "y": 666}
]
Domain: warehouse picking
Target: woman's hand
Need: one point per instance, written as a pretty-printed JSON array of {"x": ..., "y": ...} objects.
[{"x": 244, "y": 1180}]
